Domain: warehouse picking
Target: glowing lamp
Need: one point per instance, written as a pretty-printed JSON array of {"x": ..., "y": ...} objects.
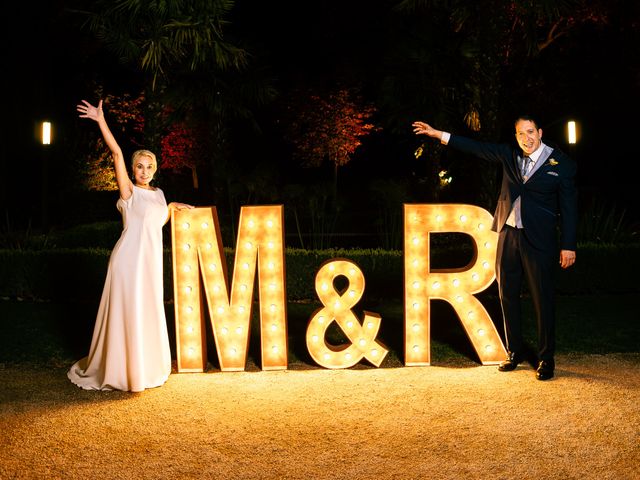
[
  {"x": 456, "y": 286},
  {"x": 259, "y": 226},
  {"x": 572, "y": 134},
  {"x": 46, "y": 133}
]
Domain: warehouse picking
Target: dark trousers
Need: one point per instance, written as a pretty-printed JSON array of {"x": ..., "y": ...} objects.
[{"x": 516, "y": 260}]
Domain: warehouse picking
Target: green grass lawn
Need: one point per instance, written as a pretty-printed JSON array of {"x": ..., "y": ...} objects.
[{"x": 56, "y": 334}]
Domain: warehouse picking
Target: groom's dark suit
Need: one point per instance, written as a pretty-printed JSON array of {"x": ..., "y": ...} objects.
[{"x": 548, "y": 198}]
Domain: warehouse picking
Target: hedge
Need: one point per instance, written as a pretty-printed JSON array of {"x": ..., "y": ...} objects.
[{"x": 78, "y": 273}]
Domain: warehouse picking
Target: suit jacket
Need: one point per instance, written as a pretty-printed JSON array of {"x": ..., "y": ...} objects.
[{"x": 548, "y": 198}]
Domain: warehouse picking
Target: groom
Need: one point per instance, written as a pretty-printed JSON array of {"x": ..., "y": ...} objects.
[{"x": 538, "y": 193}]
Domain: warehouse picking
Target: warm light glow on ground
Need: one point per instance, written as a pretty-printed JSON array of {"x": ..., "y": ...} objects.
[{"x": 447, "y": 422}]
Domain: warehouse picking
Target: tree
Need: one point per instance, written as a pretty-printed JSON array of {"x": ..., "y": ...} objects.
[
  {"x": 163, "y": 39},
  {"x": 158, "y": 37},
  {"x": 327, "y": 127},
  {"x": 211, "y": 102},
  {"x": 127, "y": 123},
  {"x": 182, "y": 148},
  {"x": 181, "y": 50},
  {"x": 466, "y": 65}
]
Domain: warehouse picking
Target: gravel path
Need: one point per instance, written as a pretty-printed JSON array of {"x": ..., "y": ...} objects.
[{"x": 440, "y": 422}]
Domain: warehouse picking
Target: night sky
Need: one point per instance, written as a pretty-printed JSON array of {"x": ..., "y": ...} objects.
[{"x": 50, "y": 65}]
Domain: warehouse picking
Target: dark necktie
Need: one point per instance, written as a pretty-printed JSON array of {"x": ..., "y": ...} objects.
[{"x": 526, "y": 167}]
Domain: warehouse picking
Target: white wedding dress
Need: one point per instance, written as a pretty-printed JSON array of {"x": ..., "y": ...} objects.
[{"x": 130, "y": 345}]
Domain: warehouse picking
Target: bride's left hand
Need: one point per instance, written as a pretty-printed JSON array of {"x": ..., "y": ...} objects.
[{"x": 180, "y": 206}]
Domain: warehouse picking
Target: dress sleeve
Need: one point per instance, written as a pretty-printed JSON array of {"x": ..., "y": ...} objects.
[{"x": 123, "y": 204}]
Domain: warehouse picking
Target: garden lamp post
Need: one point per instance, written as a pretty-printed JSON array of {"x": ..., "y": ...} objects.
[{"x": 46, "y": 139}]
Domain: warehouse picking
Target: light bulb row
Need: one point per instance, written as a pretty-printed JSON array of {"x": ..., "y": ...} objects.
[{"x": 448, "y": 220}]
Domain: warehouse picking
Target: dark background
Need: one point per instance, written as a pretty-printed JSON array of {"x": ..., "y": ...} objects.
[{"x": 51, "y": 63}]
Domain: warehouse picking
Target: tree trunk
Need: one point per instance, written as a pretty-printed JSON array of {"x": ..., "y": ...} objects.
[
  {"x": 335, "y": 184},
  {"x": 194, "y": 177}
]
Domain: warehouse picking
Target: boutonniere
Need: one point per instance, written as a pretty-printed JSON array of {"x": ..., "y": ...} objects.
[{"x": 553, "y": 162}]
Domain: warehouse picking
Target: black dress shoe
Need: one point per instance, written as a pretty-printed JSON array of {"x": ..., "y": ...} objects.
[
  {"x": 545, "y": 370},
  {"x": 510, "y": 363}
]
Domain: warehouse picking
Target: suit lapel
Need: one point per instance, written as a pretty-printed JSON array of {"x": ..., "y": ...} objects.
[{"x": 546, "y": 153}]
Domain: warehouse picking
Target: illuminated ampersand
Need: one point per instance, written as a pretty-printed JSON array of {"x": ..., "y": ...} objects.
[
  {"x": 337, "y": 306},
  {"x": 456, "y": 285}
]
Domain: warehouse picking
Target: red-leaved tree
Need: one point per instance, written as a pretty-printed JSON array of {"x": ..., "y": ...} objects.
[
  {"x": 124, "y": 114},
  {"x": 327, "y": 127},
  {"x": 182, "y": 148}
]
